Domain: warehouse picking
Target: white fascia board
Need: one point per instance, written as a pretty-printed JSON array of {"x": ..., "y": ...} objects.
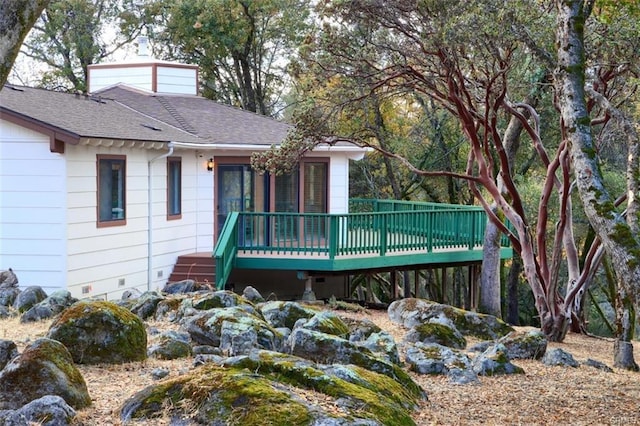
[
  {"x": 254, "y": 147},
  {"x": 352, "y": 152}
]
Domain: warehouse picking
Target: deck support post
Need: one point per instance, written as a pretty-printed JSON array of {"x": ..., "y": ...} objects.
[
  {"x": 308, "y": 295},
  {"x": 444, "y": 285},
  {"x": 393, "y": 279}
]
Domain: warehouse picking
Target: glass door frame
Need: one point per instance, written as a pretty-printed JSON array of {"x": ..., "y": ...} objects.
[{"x": 269, "y": 187}]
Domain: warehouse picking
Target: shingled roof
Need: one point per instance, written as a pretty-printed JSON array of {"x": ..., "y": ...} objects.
[
  {"x": 87, "y": 116},
  {"x": 124, "y": 113},
  {"x": 210, "y": 121}
]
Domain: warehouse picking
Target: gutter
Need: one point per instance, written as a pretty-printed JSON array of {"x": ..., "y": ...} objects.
[
  {"x": 170, "y": 145},
  {"x": 256, "y": 147}
]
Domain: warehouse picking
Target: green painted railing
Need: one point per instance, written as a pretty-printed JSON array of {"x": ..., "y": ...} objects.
[
  {"x": 379, "y": 228},
  {"x": 226, "y": 249},
  {"x": 358, "y": 205}
]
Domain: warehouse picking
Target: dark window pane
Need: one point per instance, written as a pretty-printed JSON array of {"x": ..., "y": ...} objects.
[
  {"x": 111, "y": 189},
  {"x": 174, "y": 186}
]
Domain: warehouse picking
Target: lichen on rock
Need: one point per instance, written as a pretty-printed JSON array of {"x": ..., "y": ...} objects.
[
  {"x": 100, "y": 332},
  {"x": 44, "y": 368},
  {"x": 270, "y": 385}
]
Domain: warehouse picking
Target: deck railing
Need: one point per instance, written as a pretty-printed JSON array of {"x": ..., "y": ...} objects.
[
  {"x": 379, "y": 228},
  {"x": 226, "y": 250}
]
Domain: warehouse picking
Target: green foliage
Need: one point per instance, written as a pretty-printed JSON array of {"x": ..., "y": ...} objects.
[
  {"x": 242, "y": 47},
  {"x": 73, "y": 34}
]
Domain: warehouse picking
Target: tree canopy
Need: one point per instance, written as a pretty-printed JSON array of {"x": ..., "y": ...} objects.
[
  {"x": 70, "y": 35},
  {"x": 243, "y": 47}
]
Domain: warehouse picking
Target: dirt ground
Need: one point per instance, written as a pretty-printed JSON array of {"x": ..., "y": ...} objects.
[{"x": 542, "y": 396}]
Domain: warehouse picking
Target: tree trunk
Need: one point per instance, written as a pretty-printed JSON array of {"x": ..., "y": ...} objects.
[
  {"x": 490, "y": 300},
  {"x": 16, "y": 19},
  {"x": 625, "y": 330},
  {"x": 614, "y": 232},
  {"x": 513, "y": 315},
  {"x": 490, "y": 297}
]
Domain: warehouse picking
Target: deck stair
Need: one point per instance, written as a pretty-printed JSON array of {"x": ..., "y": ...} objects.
[{"x": 200, "y": 267}]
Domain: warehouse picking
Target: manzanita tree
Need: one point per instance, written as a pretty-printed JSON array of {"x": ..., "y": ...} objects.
[{"x": 463, "y": 55}]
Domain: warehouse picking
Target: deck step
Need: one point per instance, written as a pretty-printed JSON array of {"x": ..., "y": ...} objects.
[{"x": 200, "y": 267}]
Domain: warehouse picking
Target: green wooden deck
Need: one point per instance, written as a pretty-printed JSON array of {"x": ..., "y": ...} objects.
[{"x": 377, "y": 234}]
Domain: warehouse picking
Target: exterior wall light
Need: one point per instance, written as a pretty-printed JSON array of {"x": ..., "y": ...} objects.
[{"x": 210, "y": 165}]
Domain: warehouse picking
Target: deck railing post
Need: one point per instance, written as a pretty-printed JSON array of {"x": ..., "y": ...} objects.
[
  {"x": 383, "y": 229},
  {"x": 334, "y": 233},
  {"x": 472, "y": 231},
  {"x": 430, "y": 220}
]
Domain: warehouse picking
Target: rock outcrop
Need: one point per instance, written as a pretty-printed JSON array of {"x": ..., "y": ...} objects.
[
  {"x": 8, "y": 351},
  {"x": 50, "y": 410},
  {"x": 100, "y": 332},
  {"x": 413, "y": 312},
  {"x": 52, "y": 305},
  {"x": 8, "y": 279},
  {"x": 267, "y": 385},
  {"x": 525, "y": 345},
  {"x": 44, "y": 368},
  {"x": 28, "y": 298}
]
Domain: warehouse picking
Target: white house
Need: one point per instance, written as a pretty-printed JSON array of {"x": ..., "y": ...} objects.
[{"x": 101, "y": 193}]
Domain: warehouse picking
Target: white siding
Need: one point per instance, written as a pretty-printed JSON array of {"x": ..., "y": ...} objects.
[
  {"x": 204, "y": 203},
  {"x": 194, "y": 231},
  {"x": 107, "y": 261},
  {"x": 168, "y": 79},
  {"x": 32, "y": 208},
  {"x": 177, "y": 80},
  {"x": 339, "y": 184},
  {"x": 140, "y": 77}
]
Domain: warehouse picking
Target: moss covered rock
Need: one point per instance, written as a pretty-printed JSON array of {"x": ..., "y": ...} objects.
[
  {"x": 435, "y": 359},
  {"x": 218, "y": 299},
  {"x": 214, "y": 395},
  {"x": 171, "y": 345},
  {"x": 436, "y": 333},
  {"x": 8, "y": 351},
  {"x": 28, "y": 298},
  {"x": 328, "y": 349},
  {"x": 217, "y": 326},
  {"x": 380, "y": 397},
  {"x": 327, "y": 322},
  {"x": 145, "y": 306},
  {"x": 272, "y": 387},
  {"x": 50, "y": 410},
  {"x": 495, "y": 361},
  {"x": 412, "y": 312},
  {"x": 55, "y": 303},
  {"x": 44, "y": 368},
  {"x": 100, "y": 332},
  {"x": 360, "y": 329},
  {"x": 285, "y": 314},
  {"x": 169, "y": 308},
  {"x": 530, "y": 344}
]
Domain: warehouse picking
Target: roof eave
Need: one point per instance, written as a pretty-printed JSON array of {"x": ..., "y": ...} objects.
[{"x": 57, "y": 137}]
